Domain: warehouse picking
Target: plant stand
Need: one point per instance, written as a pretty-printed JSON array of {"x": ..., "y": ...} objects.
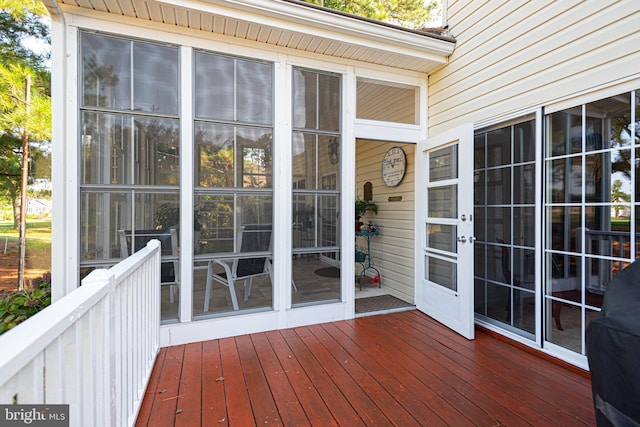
[{"x": 364, "y": 259}]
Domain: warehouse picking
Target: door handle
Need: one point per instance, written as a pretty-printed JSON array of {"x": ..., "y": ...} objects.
[{"x": 462, "y": 239}]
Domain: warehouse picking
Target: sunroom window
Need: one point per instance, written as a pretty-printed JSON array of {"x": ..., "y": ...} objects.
[
  {"x": 130, "y": 155},
  {"x": 316, "y": 149},
  {"x": 233, "y": 184}
]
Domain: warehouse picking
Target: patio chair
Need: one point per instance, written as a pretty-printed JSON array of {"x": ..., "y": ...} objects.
[
  {"x": 169, "y": 270},
  {"x": 251, "y": 238}
]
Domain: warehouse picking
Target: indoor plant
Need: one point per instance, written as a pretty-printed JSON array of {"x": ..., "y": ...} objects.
[{"x": 362, "y": 207}]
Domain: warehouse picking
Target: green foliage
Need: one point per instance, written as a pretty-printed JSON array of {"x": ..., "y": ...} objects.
[
  {"x": 363, "y": 206},
  {"x": 18, "y": 306},
  {"x": 407, "y": 13},
  {"x": 20, "y": 20}
]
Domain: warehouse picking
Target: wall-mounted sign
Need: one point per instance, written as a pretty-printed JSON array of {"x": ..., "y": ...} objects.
[{"x": 394, "y": 165}]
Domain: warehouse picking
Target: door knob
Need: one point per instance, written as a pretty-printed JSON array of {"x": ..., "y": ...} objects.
[{"x": 462, "y": 239}]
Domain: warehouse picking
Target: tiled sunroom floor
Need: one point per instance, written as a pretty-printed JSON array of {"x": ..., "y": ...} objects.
[{"x": 395, "y": 369}]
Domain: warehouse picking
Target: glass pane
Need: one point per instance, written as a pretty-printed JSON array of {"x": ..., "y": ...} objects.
[
  {"x": 304, "y": 161},
  {"x": 216, "y": 221},
  {"x": 315, "y": 278},
  {"x": 524, "y": 226},
  {"x": 499, "y": 228},
  {"x": 480, "y": 298},
  {"x": 255, "y": 157},
  {"x": 214, "y": 86},
  {"x": 564, "y": 132},
  {"x": 609, "y": 122},
  {"x": 479, "y": 150},
  {"x": 524, "y": 184},
  {"x": 523, "y": 311},
  {"x": 106, "y": 72},
  {"x": 499, "y": 186},
  {"x": 304, "y": 221},
  {"x": 497, "y": 263},
  {"x": 443, "y": 202},
  {"x": 498, "y": 302},
  {"x": 329, "y": 162},
  {"x": 106, "y": 149},
  {"x": 214, "y": 154},
  {"x": 562, "y": 224},
  {"x": 328, "y": 218},
  {"x": 605, "y": 236},
  {"x": 155, "y": 73},
  {"x": 157, "y": 151},
  {"x": 305, "y": 106},
  {"x": 480, "y": 224},
  {"x": 564, "y": 179},
  {"x": 499, "y": 147},
  {"x": 443, "y": 164},
  {"x": 254, "y": 88},
  {"x": 523, "y": 268},
  {"x": 569, "y": 317},
  {"x": 399, "y": 106},
  {"x": 255, "y": 209},
  {"x": 479, "y": 188},
  {"x": 524, "y": 142},
  {"x": 442, "y": 237},
  {"x": 102, "y": 215},
  {"x": 479, "y": 265},
  {"x": 442, "y": 273},
  {"x": 328, "y": 102},
  {"x": 156, "y": 211}
]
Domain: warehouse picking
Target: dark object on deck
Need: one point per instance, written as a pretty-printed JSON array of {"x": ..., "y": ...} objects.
[{"x": 613, "y": 346}]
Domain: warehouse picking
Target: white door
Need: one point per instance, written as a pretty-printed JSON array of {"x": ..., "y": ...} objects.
[{"x": 444, "y": 289}]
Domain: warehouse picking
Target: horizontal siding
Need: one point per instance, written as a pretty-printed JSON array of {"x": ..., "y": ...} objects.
[
  {"x": 513, "y": 56},
  {"x": 392, "y": 251}
]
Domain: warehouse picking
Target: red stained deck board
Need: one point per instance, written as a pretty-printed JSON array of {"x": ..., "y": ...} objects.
[
  {"x": 262, "y": 403},
  {"x": 303, "y": 387},
  {"x": 147, "y": 403},
  {"x": 214, "y": 403},
  {"x": 238, "y": 403},
  {"x": 427, "y": 388},
  {"x": 362, "y": 403},
  {"x": 382, "y": 397},
  {"x": 337, "y": 403},
  {"x": 165, "y": 403},
  {"x": 402, "y": 368},
  {"x": 188, "y": 412},
  {"x": 286, "y": 399}
]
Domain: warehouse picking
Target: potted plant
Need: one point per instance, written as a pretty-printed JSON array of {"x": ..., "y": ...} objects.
[{"x": 362, "y": 207}]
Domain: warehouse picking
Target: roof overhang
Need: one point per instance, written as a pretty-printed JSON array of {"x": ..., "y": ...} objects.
[{"x": 289, "y": 24}]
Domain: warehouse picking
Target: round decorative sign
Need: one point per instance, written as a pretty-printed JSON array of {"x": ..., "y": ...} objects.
[{"x": 394, "y": 166}]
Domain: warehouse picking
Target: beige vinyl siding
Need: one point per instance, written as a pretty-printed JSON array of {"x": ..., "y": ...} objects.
[
  {"x": 392, "y": 251},
  {"x": 513, "y": 56}
]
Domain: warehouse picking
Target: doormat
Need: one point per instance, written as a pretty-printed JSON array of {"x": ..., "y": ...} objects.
[
  {"x": 380, "y": 303},
  {"x": 332, "y": 272}
]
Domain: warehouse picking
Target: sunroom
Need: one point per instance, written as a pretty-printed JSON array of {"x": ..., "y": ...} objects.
[{"x": 239, "y": 136}]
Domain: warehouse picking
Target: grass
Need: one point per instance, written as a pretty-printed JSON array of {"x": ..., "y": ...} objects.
[
  {"x": 36, "y": 229},
  {"x": 38, "y": 239}
]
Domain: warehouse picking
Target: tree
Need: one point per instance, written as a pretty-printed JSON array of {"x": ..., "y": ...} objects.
[
  {"x": 618, "y": 196},
  {"x": 25, "y": 105},
  {"x": 407, "y": 13}
]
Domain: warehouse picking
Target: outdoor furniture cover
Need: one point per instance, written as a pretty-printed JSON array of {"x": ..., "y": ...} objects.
[{"x": 613, "y": 351}]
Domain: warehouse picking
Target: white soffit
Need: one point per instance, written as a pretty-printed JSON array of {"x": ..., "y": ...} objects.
[{"x": 287, "y": 24}]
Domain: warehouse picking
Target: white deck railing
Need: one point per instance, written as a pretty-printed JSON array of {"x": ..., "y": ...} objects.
[{"x": 94, "y": 349}]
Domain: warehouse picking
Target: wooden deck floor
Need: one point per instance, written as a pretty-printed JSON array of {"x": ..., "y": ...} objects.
[{"x": 399, "y": 369}]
